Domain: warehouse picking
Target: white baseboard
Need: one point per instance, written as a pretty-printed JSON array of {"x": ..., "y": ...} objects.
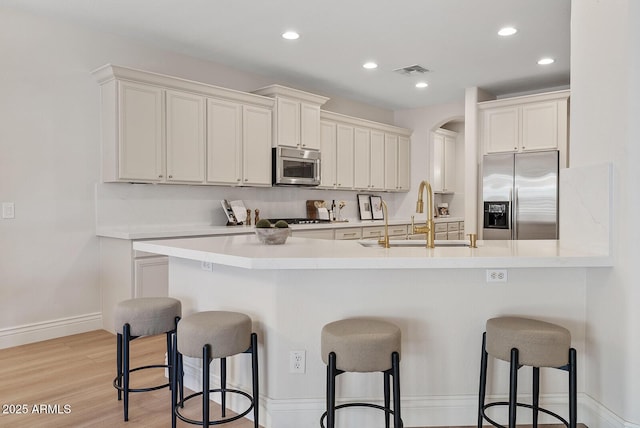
[
  {"x": 36, "y": 332},
  {"x": 460, "y": 410}
]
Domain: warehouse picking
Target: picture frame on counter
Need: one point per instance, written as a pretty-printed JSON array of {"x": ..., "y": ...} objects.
[
  {"x": 376, "y": 207},
  {"x": 364, "y": 207}
]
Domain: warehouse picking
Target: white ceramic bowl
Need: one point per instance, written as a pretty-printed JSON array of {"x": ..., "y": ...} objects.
[{"x": 273, "y": 235}]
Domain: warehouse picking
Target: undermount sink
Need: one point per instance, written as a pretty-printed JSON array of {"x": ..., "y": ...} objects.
[{"x": 414, "y": 243}]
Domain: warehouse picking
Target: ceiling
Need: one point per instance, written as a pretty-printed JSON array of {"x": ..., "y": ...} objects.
[{"x": 455, "y": 39}]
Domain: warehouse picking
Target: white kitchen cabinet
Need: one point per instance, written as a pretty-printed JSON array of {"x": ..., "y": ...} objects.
[
  {"x": 185, "y": 137},
  {"x": 349, "y": 233},
  {"x": 344, "y": 156},
  {"x": 528, "y": 123},
  {"x": 368, "y": 159},
  {"x": 154, "y": 130},
  {"x": 379, "y": 153},
  {"x": 256, "y": 139},
  {"x": 137, "y": 146},
  {"x": 328, "y": 154},
  {"x": 238, "y": 144},
  {"x": 296, "y": 117},
  {"x": 151, "y": 276},
  {"x": 314, "y": 234},
  {"x": 443, "y": 161}
]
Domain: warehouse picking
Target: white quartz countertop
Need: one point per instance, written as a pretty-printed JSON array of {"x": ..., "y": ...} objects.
[
  {"x": 188, "y": 230},
  {"x": 245, "y": 251}
]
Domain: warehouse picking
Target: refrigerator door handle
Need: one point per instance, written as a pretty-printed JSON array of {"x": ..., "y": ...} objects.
[{"x": 515, "y": 213}]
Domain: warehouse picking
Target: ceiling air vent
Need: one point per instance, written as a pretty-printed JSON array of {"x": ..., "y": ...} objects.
[{"x": 411, "y": 70}]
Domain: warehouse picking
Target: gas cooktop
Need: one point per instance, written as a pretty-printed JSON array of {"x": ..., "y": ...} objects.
[{"x": 300, "y": 220}]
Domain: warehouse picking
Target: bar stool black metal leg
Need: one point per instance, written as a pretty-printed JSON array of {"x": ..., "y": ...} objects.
[
  {"x": 483, "y": 379},
  {"x": 169, "y": 358},
  {"x": 181, "y": 377},
  {"x": 255, "y": 379},
  {"x": 397, "y": 419},
  {"x": 119, "y": 364},
  {"x": 174, "y": 380},
  {"x": 223, "y": 386},
  {"x": 387, "y": 397},
  {"x": 331, "y": 391},
  {"x": 573, "y": 387},
  {"x": 513, "y": 388},
  {"x": 536, "y": 395},
  {"x": 206, "y": 361},
  {"x": 126, "y": 341}
]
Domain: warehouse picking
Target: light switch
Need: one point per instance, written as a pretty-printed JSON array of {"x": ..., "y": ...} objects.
[{"x": 8, "y": 210}]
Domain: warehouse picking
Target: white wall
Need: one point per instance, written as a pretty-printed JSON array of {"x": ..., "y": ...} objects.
[
  {"x": 49, "y": 166},
  {"x": 605, "y": 107}
]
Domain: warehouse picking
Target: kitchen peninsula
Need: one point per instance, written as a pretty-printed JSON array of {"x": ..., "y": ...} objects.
[{"x": 439, "y": 297}]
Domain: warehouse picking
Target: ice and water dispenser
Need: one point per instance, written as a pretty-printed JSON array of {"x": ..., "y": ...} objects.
[{"x": 496, "y": 215}]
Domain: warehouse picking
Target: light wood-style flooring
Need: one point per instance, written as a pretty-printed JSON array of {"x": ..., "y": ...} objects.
[{"x": 77, "y": 372}]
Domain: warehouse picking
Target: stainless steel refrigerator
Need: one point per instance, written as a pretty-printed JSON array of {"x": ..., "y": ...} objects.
[{"x": 520, "y": 195}]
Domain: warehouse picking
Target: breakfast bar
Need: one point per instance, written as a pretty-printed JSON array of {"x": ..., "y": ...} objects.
[{"x": 439, "y": 297}]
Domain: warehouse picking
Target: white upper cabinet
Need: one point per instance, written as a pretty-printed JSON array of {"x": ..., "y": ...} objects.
[
  {"x": 344, "y": 156},
  {"x": 296, "y": 117},
  {"x": 139, "y": 132},
  {"x": 256, "y": 138},
  {"x": 224, "y": 142},
  {"x": 185, "y": 136},
  {"x": 162, "y": 129},
  {"x": 376, "y": 160},
  {"x": 368, "y": 159},
  {"x": 328, "y": 154},
  {"x": 528, "y": 123},
  {"x": 391, "y": 162},
  {"x": 443, "y": 161}
]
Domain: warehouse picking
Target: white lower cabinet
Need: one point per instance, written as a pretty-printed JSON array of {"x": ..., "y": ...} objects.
[
  {"x": 314, "y": 234},
  {"x": 151, "y": 276},
  {"x": 349, "y": 233}
]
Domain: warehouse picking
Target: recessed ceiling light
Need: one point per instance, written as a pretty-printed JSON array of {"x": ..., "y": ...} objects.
[
  {"x": 421, "y": 85},
  {"x": 370, "y": 65},
  {"x": 507, "y": 31},
  {"x": 546, "y": 61},
  {"x": 290, "y": 35}
]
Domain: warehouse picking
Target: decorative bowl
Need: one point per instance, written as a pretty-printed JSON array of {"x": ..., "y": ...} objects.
[{"x": 273, "y": 235}]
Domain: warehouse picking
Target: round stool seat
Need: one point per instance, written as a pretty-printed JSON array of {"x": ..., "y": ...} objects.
[
  {"x": 539, "y": 343},
  {"x": 228, "y": 333},
  {"x": 148, "y": 316},
  {"x": 360, "y": 345}
]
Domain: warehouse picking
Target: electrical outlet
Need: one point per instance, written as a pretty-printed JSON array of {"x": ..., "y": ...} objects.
[
  {"x": 496, "y": 275},
  {"x": 208, "y": 266},
  {"x": 8, "y": 210},
  {"x": 297, "y": 361}
]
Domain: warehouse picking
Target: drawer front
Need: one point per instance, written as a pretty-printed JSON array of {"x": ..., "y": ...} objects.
[
  {"x": 441, "y": 227},
  {"x": 398, "y": 230},
  {"x": 314, "y": 234},
  {"x": 452, "y": 236},
  {"x": 349, "y": 233},
  {"x": 453, "y": 226},
  {"x": 441, "y": 236},
  {"x": 373, "y": 232}
]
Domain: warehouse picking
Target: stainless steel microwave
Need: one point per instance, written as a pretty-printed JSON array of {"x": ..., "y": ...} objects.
[{"x": 295, "y": 166}]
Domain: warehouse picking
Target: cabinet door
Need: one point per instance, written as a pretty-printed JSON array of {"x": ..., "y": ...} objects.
[
  {"x": 328, "y": 154},
  {"x": 310, "y": 126},
  {"x": 288, "y": 122},
  {"x": 449, "y": 162},
  {"x": 376, "y": 155},
  {"x": 404, "y": 163},
  {"x": 344, "y": 156},
  {"x": 501, "y": 129},
  {"x": 152, "y": 277},
  {"x": 256, "y": 143},
  {"x": 140, "y": 139},
  {"x": 185, "y": 150},
  {"x": 437, "y": 164},
  {"x": 390, "y": 162},
  {"x": 362, "y": 159},
  {"x": 540, "y": 126},
  {"x": 224, "y": 142}
]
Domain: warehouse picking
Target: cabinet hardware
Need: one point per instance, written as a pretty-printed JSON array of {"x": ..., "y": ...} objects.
[
  {"x": 160, "y": 176},
  {"x": 171, "y": 176}
]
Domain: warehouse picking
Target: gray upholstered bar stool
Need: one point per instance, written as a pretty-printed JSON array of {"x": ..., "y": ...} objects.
[
  {"x": 145, "y": 316},
  {"x": 214, "y": 335},
  {"x": 527, "y": 342},
  {"x": 366, "y": 346}
]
